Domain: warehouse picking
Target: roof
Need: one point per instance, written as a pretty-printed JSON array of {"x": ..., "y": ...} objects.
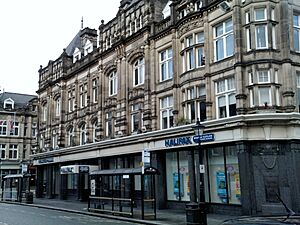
[
  {"x": 125, "y": 171},
  {"x": 75, "y": 43},
  {"x": 20, "y": 100}
]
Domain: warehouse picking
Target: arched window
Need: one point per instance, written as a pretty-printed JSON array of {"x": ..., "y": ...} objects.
[
  {"x": 139, "y": 72},
  {"x": 83, "y": 134},
  {"x": 44, "y": 112},
  {"x": 113, "y": 83},
  {"x": 57, "y": 106},
  {"x": 94, "y": 132},
  {"x": 70, "y": 137}
]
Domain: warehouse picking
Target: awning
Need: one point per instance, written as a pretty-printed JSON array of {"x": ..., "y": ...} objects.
[
  {"x": 75, "y": 169},
  {"x": 16, "y": 176},
  {"x": 126, "y": 171}
]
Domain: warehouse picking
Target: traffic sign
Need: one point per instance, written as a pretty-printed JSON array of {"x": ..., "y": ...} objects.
[{"x": 203, "y": 138}]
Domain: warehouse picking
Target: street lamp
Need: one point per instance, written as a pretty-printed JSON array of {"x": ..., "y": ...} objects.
[{"x": 198, "y": 129}]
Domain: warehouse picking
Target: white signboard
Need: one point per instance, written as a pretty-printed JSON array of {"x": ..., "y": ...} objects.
[
  {"x": 202, "y": 168},
  {"x": 145, "y": 159},
  {"x": 93, "y": 187}
]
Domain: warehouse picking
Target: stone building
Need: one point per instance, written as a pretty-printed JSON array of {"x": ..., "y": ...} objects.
[
  {"x": 145, "y": 77},
  {"x": 18, "y": 132}
]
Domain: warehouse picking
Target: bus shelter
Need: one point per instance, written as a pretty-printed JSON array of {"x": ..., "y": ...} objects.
[
  {"x": 128, "y": 192},
  {"x": 16, "y": 187}
]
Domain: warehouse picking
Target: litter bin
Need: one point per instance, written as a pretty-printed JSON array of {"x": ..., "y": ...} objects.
[
  {"x": 192, "y": 214},
  {"x": 29, "y": 197}
]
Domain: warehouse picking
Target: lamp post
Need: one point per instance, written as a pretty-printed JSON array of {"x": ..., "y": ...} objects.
[{"x": 198, "y": 129}]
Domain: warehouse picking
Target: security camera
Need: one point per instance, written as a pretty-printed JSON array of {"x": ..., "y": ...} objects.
[{"x": 224, "y": 6}]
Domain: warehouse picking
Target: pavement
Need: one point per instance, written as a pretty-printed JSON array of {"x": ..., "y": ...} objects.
[{"x": 164, "y": 217}]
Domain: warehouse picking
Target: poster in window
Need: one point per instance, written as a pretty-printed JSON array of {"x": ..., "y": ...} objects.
[
  {"x": 221, "y": 186},
  {"x": 176, "y": 183}
]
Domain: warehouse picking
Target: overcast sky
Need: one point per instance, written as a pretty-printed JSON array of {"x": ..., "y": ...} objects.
[{"x": 36, "y": 31}]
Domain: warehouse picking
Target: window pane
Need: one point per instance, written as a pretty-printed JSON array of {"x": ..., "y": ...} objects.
[
  {"x": 233, "y": 175},
  {"x": 172, "y": 178},
  {"x": 296, "y": 40},
  {"x": 170, "y": 68},
  {"x": 264, "y": 94},
  {"x": 229, "y": 45},
  {"x": 200, "y": 37},
  {"x": 219, "y": 30},
  {"x": 296, "y": 20},
  {"x": 261, "y": 41},
  {"x": 184, "y": 176},
  {"x": 217, "y": 178},
  {"x": 228, "y": 26},
  {"x": 260, "y": 14},
  {"x": 220, "y": 49}
]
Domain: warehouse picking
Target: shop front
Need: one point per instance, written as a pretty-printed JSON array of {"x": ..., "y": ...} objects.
[{"x": 75, "y": 181}]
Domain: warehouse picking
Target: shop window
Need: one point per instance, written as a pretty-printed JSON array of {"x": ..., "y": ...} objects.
[
  {"x": 177, "y": 176},
  {"x": 224, "y": 178}
]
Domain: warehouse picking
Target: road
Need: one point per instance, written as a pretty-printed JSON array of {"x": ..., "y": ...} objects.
[{"x": 11, "y": 214}]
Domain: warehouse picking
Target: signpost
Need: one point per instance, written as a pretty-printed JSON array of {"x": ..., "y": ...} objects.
[{"x": 145, "y": 159}]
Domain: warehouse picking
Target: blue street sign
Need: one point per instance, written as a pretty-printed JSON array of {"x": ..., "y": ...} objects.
[{"x": 203, "y": 138}]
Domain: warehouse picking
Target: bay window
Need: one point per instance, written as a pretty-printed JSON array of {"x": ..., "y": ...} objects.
[
  {"x": 296, "y": 28},
  {"x": 298, "y": 88},
  {"x": 225, "y": 94},
  {"x": 223, "y": 40},
  {"x": 193, "y": 51}
]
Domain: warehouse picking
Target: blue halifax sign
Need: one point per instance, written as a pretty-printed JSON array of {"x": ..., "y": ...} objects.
[
  {"x": 189, "y": 140},
  {"x": 203, "y": 138}
]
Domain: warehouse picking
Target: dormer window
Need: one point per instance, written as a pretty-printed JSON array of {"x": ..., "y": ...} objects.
[
  {"x": 88, "y": 48},
  {"x": 76, "y": 55},
  {"x": 167, "y": 11},
  {"x": 9, "y": 103}
]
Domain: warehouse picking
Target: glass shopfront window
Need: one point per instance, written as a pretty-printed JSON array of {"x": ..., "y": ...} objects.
[
  {"x": 224, "y": 179},
  {"x": 177, "y": 176}
]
